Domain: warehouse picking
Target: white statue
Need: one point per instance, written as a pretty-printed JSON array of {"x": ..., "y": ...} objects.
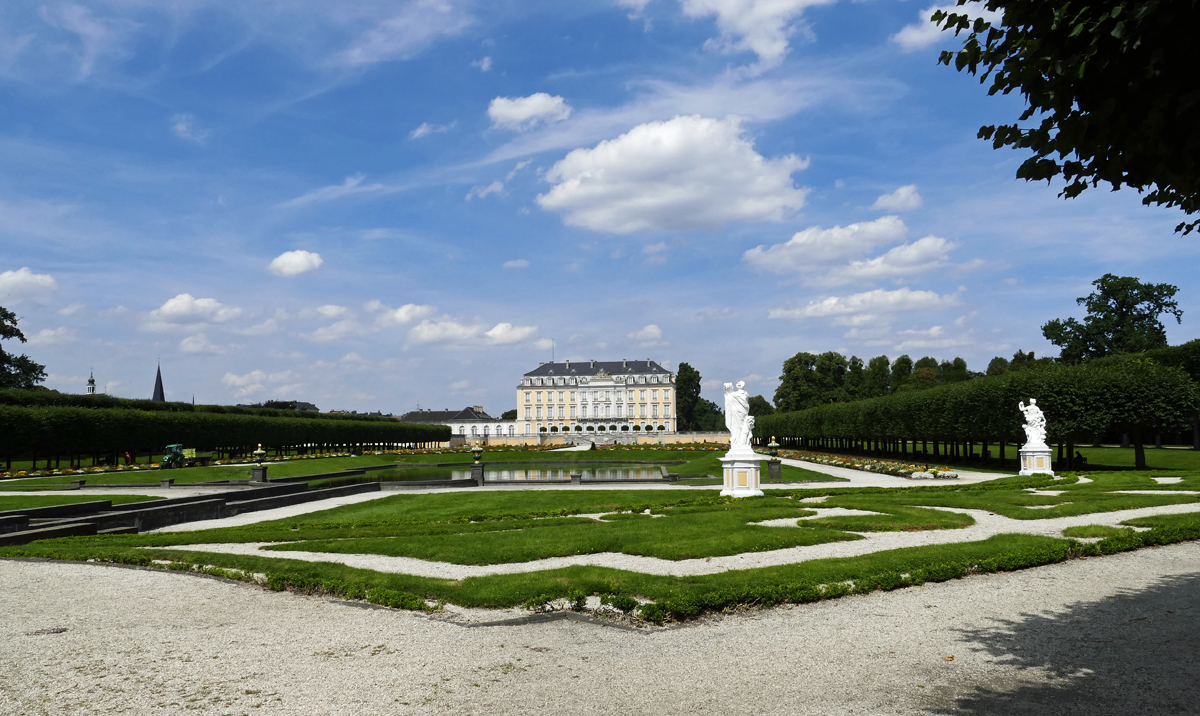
[
  {"x": 1035, "y": 422},
  {"x": 737, "y": 415}
]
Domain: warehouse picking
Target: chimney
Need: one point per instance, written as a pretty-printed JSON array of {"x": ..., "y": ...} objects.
[
  {"x": 568, "y": 363},
  {"x": 593, "y": 364},
  {"x": 624, "y": 363}
]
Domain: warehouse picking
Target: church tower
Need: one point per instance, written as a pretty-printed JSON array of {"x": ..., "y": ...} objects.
[
  {"x": 91, "y": 383},
  {"x": 159, "y": 396}
]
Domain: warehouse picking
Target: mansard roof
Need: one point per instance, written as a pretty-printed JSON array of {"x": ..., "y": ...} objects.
[
  {"x": 589, "y": 367},
  {"x": 447, "y": 416}
]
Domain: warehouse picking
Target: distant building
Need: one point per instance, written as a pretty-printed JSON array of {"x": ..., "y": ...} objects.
[
  {"x": 596, "y": 396},
  {"x": 283, "y": 405},
  {"x": 471, "y": 422},
  {"x": 159, "y": 396},
  {"x": 91, "y": 389}
]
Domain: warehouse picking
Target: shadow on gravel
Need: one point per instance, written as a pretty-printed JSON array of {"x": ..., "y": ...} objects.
[{"x": 1135, "y": 653}]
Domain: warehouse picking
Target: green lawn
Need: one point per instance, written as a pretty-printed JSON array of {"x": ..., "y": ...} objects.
[
  {"x": 25, "y": 502},
  {"x": 499, "y": 527}
]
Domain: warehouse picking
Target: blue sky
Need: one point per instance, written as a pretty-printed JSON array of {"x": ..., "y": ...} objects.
[{"x": 379, "y": 205}]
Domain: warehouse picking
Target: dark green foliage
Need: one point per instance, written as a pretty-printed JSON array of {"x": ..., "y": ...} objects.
[
  {"x": 621, "y": 602},
  {"x": 1134, "y": 396},
  {"x": 759, "y": 406},
  {"x": 87, "y": 430},
  {"x": 1112, "y": 87},
  {"x": 509, "y": 414},
  {"x": 687, "y": 397},
  {"x": 16, "y": 371},
  {"x": 997, "y": 366},
  {"x": 1122, "y": 317},
  {"x": 902, "y": 369},
  {"x": 54, "y": 399},
  {"x": 708, "y": 416},
  {"x": 877, "y": 378},
  {"x": 1027, "y": 361}
]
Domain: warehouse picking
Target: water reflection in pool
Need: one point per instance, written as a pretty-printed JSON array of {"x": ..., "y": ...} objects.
[{"x": 588, "y": 473}]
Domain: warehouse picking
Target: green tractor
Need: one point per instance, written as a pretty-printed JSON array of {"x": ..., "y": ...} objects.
[{"x": 173, "y": 458}]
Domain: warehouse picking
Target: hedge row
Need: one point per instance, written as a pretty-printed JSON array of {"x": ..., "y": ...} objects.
[
  {"x": 58, "y": 430},
  {"x": 1136, "y": 396},
  {"x": 51, "y": 398}
]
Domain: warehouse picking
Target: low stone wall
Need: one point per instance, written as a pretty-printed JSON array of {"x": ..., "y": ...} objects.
[{"x": 298, "y": 498}]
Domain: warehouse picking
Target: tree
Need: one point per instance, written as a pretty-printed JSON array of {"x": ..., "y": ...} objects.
[
  {"x": 709, "y": 416},
  {"x": 902, "y": 368},
  {"x": 954, "y": 371},
  {"x": 798, "y": 385},
  {"x": 17, "y": 371},
  {"x": 997, "y": 366},
  {"x": 855, "y": 380},
  {"x": 1122, "y": 318},
  {"x": 509, "y": 414},
  {"x": 759, "y": 406},
  {"x": 1113, "y": 83},
  {"x": 1025, "y": 361},
  {"x": 687, "y": 395},
  {"x": 877, "y": 378},
  {"x": 830, "y": 370}
]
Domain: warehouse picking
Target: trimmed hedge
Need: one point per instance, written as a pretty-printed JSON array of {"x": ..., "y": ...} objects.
[
  {"x": 1135, "y": 395},
  {"x": 50, "y": 398},
  {"x": 70, "y": 430}
]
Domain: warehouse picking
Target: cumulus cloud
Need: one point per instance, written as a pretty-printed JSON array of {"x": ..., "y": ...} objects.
[
  {"x": 864, "y": 307},
  {"x": 816, "y": 248},
  {"x": 832, "y": 257},
  {"x": 199, "y": 343},
  {"x": 426, "y": 129},
  {"x": 248, "y": 384},
  {"x": 452, "y": 332},
  {"x": 329, "y": 310},
  {"x": 418, "y": 24},
  {"x": 906, "y": 198},
  {"x": 294, "y": 263},
  {"x": 186, "y": 127},
  {"x": 648, "y": 337},
  {"x": 23, "y": 283},
  {"x": 516, "y": 263},
  {"x": 924, "y": 33},
  {"x": 186, "y": 311},
  {"x": 521, "y": 113},
  {"x": 759, "y": 26},
  {"x": 71, "y": 310},
  {"x": 685, "y": 173},
  {"x": 340, "y": 330},
  {"x": 484, "y": 65},
  {"x": 404, "y": 315},
  {"x": 53, "y": 337}
]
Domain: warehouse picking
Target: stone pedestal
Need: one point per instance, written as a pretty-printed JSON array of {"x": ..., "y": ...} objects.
[
  {"x": 741, "y": 471},
  {"x": 258, "y": 473},
  {"x": 477, "y": 474},
  {"x": 1036, "y": 460},
  {"x": 774, "y": 469}
]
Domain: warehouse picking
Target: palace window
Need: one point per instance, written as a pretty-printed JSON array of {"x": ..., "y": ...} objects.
[
  {"x": 666, "y": 410},
  {"x": 643, "y": 396},
  {"x": 620, "y": 410},
  {"x": 528, "y": 428},
  {"x": 560, "y": 396},
  {"x": 528, "y": 396},
  {"x": 512, "y": 431},
  {"x": 572, "y": 411},
  {"x": 527, "y": 416},
  {"x": 642, "y": 410},
  {"x": 539, "y": 412},
  {"x": 606, "y": 409},
  {"x": 654, "y": 410},
  {"x": 572, "y": 396},
  {"x": 539, "y": 396},
  {"x": 561, "y": 410},
  {"x": 666, "y": 393},
  {"x": 654, "y": 394},
  {"x": 474, "y": 430}
]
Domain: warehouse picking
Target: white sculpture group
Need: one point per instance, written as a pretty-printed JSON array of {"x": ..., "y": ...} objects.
[
  {"x": 1035, "y": 455},
  {"x": 740, "y": 465}
]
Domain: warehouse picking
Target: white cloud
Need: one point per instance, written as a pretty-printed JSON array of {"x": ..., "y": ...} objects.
[
  {"x": 635, "y": 5},
  {"x": 460, "y": 385},
  {"x": 865, "y": 307},
  {"x": 922, "y": 255},
  {"x": 484, "y": 65},
  {"x": 759, "y": 26},
  {"x": 248, "y": 384},
  {"x": 426, "y": 128},
  {"x": 199, "y": 343},
  {"x": 648, "y": 333},
  {"x": 351, "y": 186},
  {"x": 401, "y": 36},
  {"x": 23, "y": 283},
  {"x": 521, "y": 113},
  {"x": 449, "y": 331},
  {"x": 656, "y": 253},
  {"x": 404, "y": 315},
  {"x": 185, "y": 311},
  {"x": 517, "y": 168},
  {"x": 329, "y": 310},
  {"x": 71, "y": 310},
  {"x": 925, "y": 33},
  {"x": 516, "y": 263},
  {"x": 816, "y": 248},
  {"x": 294, "y": 263},
  {"x": 906, "y": 198},
  {"x": 685, "y": 173},
  {"x": 96, "y": 36},
  {"x": 481, "y": 191},
  {"x": 54, "y": 337},
  {"x": 184, "y": 126},
  {"x": 348, "y": 328}
]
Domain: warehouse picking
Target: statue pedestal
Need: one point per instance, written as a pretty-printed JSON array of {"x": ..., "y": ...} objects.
[
  {"x": 741, "y": 470},
  {"x": 1036, "y": 460}
]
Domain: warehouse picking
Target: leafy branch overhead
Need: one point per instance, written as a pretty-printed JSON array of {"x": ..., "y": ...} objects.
[
  {"x": 1113, "y": 87},
  {"x": 16, "y": 371}
]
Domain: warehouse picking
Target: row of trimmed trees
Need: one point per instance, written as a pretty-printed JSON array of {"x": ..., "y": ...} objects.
[
  {"x": 1135, "y": 396},
  {"x": 45, "y": 432}
]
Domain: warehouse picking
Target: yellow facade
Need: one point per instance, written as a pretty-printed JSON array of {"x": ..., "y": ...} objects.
[{"x": 585, "y": 397}]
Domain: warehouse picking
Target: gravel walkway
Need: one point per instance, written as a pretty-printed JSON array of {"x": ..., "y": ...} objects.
[
  {"x": 986, "y": 525},
  {"x": 1114, "y": 635},
  {"x": 863, "y": 478}
]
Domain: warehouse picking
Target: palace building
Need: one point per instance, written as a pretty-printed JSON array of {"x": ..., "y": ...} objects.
[{"x": 596, "y": 396}]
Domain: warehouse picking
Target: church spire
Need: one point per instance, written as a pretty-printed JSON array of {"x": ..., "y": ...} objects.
[
  {"x": 159, "y": 396},
  {"x": 91, "y": 388}
]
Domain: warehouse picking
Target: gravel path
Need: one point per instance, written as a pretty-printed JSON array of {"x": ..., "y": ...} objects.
[
  {"x": 1113, "y": 635},
  {"x": 986, "y": 525},
  {"x": 863, "y": 478}
]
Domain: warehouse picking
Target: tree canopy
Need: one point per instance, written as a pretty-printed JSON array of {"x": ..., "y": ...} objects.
[
  {"x": 687, "y": 395},
  {"x": 16, "y": 371},
  {"x": 1113, "y": 87},
  {"x": 1122, "y": 317}
]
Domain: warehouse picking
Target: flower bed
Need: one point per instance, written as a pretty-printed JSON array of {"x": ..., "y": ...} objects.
[{"x": 870, "y": 464}]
